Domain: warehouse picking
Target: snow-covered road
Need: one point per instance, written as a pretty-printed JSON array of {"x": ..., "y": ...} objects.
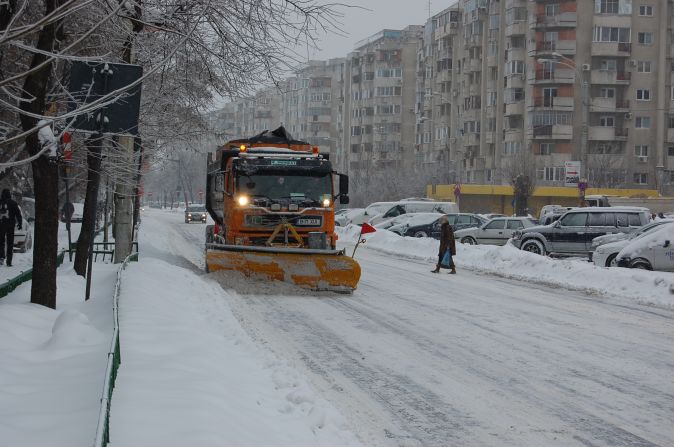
[{"x": 413, "y": 358}]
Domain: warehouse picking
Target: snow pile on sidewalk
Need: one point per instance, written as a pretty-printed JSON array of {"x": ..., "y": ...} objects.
[
  {"x": 53, "y": 361},
  {"x": 190, "y": 375},
  {"x": 643, "y": 287}
]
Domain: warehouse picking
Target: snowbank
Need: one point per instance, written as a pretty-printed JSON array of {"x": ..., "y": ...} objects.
[
  {"x": 190, "y": 375},
  {"x": 53, "y": 361},
  {"x": 643, "y": 287}
]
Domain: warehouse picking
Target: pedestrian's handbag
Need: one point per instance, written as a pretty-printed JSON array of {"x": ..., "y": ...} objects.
[{"x": 446, "y": 259}]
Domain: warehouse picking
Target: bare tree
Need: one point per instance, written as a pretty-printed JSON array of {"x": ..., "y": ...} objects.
[
  {"x": 190, "y": 51},
  {"x": 520, "y": 170}
]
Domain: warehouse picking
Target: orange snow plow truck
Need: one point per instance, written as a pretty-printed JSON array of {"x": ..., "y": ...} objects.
[{"x": 272, "y": 198}]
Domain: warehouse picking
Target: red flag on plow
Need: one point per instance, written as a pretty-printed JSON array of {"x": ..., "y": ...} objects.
[{"x": 364, "y": 229}]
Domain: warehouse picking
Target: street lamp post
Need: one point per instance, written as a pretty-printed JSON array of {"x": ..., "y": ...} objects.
[{"x": 579, "y": 77}]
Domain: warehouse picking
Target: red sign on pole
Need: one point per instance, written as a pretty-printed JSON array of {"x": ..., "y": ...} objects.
[{"x": 66, "y": 140}]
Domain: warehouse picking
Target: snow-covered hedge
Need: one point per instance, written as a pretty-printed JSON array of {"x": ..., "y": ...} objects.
[{"x": 644, "y": 287}]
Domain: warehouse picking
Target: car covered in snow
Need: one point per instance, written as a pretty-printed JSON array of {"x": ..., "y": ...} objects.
[
  {"x": 494, "y": 232},
  {"x": 652, "y": 251},
  {"x": 347, "y": 215},
  {"x": 614, "y": 237},
  {"x": 573, "y": 233},
  {"x": 195, "y": 213},
  {"x": 405, "y": 207},
  {"x": 398, "y": 220},
  {"x": 605, "y": 254},
  {"x": 458, "y": 221}
]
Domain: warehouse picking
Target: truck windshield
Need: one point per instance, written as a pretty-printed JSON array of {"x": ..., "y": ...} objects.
[{"x": 286, "y": 186}]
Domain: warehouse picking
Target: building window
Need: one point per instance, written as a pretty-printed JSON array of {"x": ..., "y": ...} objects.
[
  {"x": 641, "y": 151},
  {"x": 609, "y": 65},
  {"x": 645, "y": 38},
  {"x": 640, "y": 178},
  {"x": 551, "y": 10},
  {"x": 608, "y": 6},
  {"x": 643, "y": 94},
  {"x": 511, "y": 147},
  {"x": 515, "y": 67},
  {"x": 645, "y": 10},
  {"x": 611, "y": 34},
  {"x": 607, "y": 121},
  {"x": 607, "y": 92},
  {"x": 547, "y": 148},
  {"x": 670, "y": 151},
  {"x": 551, "y": 174},
  {"x": 671, "y": 121},
  {"x": 644, "y": 66},
  {"x": 642, "y": 122}
]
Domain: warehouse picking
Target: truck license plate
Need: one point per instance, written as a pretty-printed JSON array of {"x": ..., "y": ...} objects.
[{"x": 309, "y": 222}]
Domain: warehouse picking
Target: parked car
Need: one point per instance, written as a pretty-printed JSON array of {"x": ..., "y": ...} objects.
[
  {"x": 23, "y": 238},
  {"x": 549, "y": 210},
  {"x": 652, "y": 251},
  {"x": 417, "y": 225},
  {"x": 404, "y": 207},
  {"x": 490, "y": 216},
  {"x": 195, "y": 213},
  {"x": 615, "y": 237},
  {"x": 572, "y": 234},
  {"x": 398, "y": 220},
  {"x": 458, "y": 221},
  {"x": 348, "y": 215},
  {"x": 605, "y": 254},
  {"x": 372, "y": 210},
  {"x": 494, "y": 232}
]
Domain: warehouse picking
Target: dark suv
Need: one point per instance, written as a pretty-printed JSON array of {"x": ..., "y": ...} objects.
[
  {"x": 195, "y": 213},
  {"x": 572, "y": 234}
]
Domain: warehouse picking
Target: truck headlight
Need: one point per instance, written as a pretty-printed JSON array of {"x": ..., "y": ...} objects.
[
  {"x": 243, "y": 200},
  {"x": 326, "y": 203}
]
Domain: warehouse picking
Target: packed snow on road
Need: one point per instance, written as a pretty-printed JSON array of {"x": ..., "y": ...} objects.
[{"x": 514, "y": 350}]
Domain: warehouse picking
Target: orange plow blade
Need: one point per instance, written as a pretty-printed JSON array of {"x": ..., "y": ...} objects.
[{"x": 311, "y": 269}]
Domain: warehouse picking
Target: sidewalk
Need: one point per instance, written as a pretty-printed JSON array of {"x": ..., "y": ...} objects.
[{"x": 53, "y": 361}]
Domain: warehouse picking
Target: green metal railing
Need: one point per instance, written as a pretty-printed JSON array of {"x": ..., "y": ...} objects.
[
  {"x": 114, "y": 360},
  {"x": 8, "y": 286}
]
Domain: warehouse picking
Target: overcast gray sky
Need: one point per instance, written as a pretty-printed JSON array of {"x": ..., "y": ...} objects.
[{"x": 360, "y": 23}]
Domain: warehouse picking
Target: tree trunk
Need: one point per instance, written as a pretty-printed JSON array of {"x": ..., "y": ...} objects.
[
  {"x": 45, "y": 171},
  {"x": 94, "y": 156}
]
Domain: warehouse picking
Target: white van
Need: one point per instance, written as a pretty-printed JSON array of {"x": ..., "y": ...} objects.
[{"x": 404, "y": 207}]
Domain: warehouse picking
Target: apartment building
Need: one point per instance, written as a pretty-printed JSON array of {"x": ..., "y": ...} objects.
[
  {"x": 381, "y": 107},
  {"x": 561, "y": 80},
  {"x": 312, "y": 104}
]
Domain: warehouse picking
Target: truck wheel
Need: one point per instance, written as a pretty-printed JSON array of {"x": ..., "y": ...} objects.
[
  {"x": 534, "y": 246},
  {"x": 641, "y": 264}
]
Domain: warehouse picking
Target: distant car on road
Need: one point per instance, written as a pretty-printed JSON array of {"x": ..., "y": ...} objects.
[
  {"x": 195, "y": 213},
  {"x": 494, "y": 232}
]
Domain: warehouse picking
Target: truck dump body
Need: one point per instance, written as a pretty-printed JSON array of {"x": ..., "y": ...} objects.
[{"x": 273, "y": 200}]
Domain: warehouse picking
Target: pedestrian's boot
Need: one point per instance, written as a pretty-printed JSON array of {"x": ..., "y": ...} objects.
[
  {"x": 437, "y": 270},
  {"x": 2, "y": 261},
  {"x": 452, "y": 271}
]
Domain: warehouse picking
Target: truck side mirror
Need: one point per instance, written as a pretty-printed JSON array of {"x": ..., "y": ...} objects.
[{"x": 343, "y": 184}]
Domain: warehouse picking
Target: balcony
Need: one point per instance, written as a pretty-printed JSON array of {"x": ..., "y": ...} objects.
[
  {"x": 601, "y": 133},
  {"x": 560, "y": 76},
  {"x": 516, "y": 28},
  {"x": 473, "y": 65},
  {"x": 565, "y": 47},
  {"x": 563, "y": 20},
  {"x": 515, "y": 108},
  {"x": 515, "y": 81},
  {"x": 608, "y": 105},
  {"x": 610, "y": 77},
  {"x": 670, "y": 135},
  {"x": 471, "y": 139},
  {"x": 617, "y": 49},
  {"x": 551, "y": 132},
  {"x": 474, "y": 40},
  {"x": 444, "y": 76},
  {"x": 556, "y": 103}
]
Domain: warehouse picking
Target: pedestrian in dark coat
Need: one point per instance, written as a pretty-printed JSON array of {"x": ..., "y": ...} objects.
[
  {"x": 10, "y": 216},
  {"x": 447, "y": 242}
]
